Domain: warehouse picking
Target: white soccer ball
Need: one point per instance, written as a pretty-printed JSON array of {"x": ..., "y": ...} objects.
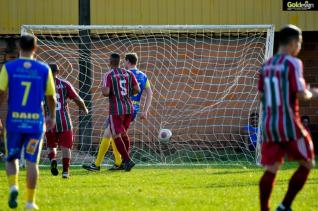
[{"x": 165, "y": 134}]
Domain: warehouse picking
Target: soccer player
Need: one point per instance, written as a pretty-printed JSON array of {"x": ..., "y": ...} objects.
[
  {"x": 131, "y": 60},
  {"x": 281, "y": 84},
  {"x": 27, "y": 82},
  {"x": 119, "y": 85},
  {"x": 62, "y": 134}
]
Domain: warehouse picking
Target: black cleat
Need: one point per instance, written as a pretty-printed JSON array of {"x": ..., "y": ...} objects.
[
  {"x": 129, "y": 165},
  {"x": 91, "y": 167},
  {"x": 281, "y": 207},
  {"x": 54, "y": 169},
  {"x": 13, "y": 199},
  {"x": 116, "y": 168}
]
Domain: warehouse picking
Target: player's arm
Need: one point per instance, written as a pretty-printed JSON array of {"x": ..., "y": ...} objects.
[
  {"x": 148, "y": 100},
  {"x": 135, "y": 85},
  {"x": 50, "y": 100},
  {"x": 80, "y": 103},
  {"x": 72, "y": 94},
  {"x": 3, "y": 83},
  {"x": 107, "y": 83},
  {"x": 105, "y": 91},
  {"x": 297, "y": 81}
]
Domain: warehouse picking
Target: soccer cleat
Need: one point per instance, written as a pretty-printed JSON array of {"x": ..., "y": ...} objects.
[
  {"x": 13, "y": 198},
  {"x": 54, "y": 169},
  {"x": 91, "y": 167},
  {"x": 129, "y": 165},
  {"x": 65, "y": 175},
  {"x": 281, "y": 207},
  {"x": 115, "y": 167},
  {"x": 31, "y": 206}
]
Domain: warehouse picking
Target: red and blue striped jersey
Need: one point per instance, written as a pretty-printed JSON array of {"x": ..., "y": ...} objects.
[
  {"x": 280, "y": 78},
  {"x": 64, "y": 91},
  {"x": 121, "y": 83}
]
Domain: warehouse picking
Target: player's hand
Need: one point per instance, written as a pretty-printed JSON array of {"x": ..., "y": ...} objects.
[
  {"x": 314, "y": 92},
  {"x": 50, "y": 123},
  {"x": 86, "y": 111},
  {"x": 144, "y": 115}
]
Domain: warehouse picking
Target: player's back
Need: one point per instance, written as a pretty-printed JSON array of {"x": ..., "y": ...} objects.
[
  {"x": 27, "y": 82},
  {"x": 280, "y": 80},
  {"x": 143, "y": 83},
  {"x": 122, "y": 88},
  {"x": 64, "y": 91}
]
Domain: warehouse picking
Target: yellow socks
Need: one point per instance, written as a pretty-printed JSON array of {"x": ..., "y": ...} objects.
[
  {"x": 13, "y": 180},
  {"x": 30, "y": 194},
  {"x": 116, "y": 154},
  {"x": 104, "y": 145}
]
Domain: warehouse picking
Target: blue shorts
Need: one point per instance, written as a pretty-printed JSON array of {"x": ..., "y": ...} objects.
[{"x": 31, "y": 142}]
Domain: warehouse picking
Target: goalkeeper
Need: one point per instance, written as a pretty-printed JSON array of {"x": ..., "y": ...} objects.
[{"x": 131, "y": 60}]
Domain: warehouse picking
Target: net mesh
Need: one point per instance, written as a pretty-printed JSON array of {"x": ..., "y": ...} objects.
[{"x": 204, "y": 82}]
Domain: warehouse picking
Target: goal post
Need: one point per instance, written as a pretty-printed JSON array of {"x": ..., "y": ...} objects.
[{"x": 204, "y": 81}]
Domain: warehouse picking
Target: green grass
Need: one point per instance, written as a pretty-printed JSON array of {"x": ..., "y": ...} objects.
[{"x": 165, "y": 188}]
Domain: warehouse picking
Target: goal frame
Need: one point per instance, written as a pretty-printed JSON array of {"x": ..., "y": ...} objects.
[{"x": 270, "y": 29}]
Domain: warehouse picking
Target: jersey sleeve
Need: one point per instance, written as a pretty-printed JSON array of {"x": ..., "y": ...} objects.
[
  {"x": 3, "y": 78},
  {"x": 50, "y": 88},
  {"x": 296, "y": 78},
  {"x": 107, "y": 82},
  {"x": 147, "y": 84},
  {"x": 133, "y": 79},
  {"x": 71, "y": 93}
]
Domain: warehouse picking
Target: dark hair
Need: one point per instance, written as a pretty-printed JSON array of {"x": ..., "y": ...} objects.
[
  {"x": 132, "y": 58},
  {"x": 28, "y": 42},
  {"x": 115, "y": 59},
  {"x": 305, "y": 117},
  {"x": 254, "y": 114},
  {"x": 289, "y": 33},
  {"x": 54, "y": 68}
]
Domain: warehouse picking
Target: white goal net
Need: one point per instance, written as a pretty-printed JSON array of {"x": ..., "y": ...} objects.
[{"x": 204, "y": 81}]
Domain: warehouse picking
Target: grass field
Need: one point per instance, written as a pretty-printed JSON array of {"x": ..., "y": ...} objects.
[{"x": 165, "y": 188}]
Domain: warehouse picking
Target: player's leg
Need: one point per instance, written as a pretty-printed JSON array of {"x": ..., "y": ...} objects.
[
  {"x": 13, "y": 145},
  {"x": 118, "y": 161},
  {"x": 117, "y": 128},
  {"x": 272, "y": 158},
  {"x": 117, "y": 156},
  {"x": 303, "y": 151},
  {"x": 52, "y": 142},
  {"x": 32, "y": 151},
  {"x": 66, "y": 143},
  {"x": 127, "y": 120},
  {"x": 103, "y": 147}
]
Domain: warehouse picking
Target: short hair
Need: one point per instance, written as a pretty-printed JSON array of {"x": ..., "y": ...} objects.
[
  {"x": 28, "y": 42},
  {"x": 132, "y": 58},
  {"x": 115, "y": 59},
  {"x": 289, "y": 33},
  {"x": 54, "y": 68}
]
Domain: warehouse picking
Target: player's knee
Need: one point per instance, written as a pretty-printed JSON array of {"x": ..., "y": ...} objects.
[
  {"x": 309, "y": 164},
  {"x": 273, "y": 168}
]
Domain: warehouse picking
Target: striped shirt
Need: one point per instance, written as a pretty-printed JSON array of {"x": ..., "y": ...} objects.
[
  {"x": 121, "y": 83},
  {"x": 64, "y": 91},
  {"x": 281, "y": 77}
]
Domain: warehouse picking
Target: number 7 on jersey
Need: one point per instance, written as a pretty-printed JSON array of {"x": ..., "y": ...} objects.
[{"x": 26, "y": 92}]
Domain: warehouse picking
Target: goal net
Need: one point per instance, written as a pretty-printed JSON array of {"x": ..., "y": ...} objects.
[{"x": 204, "y": 81}]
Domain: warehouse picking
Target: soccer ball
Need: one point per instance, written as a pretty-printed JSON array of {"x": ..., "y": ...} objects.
[{"x": 164, "y": 135}]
